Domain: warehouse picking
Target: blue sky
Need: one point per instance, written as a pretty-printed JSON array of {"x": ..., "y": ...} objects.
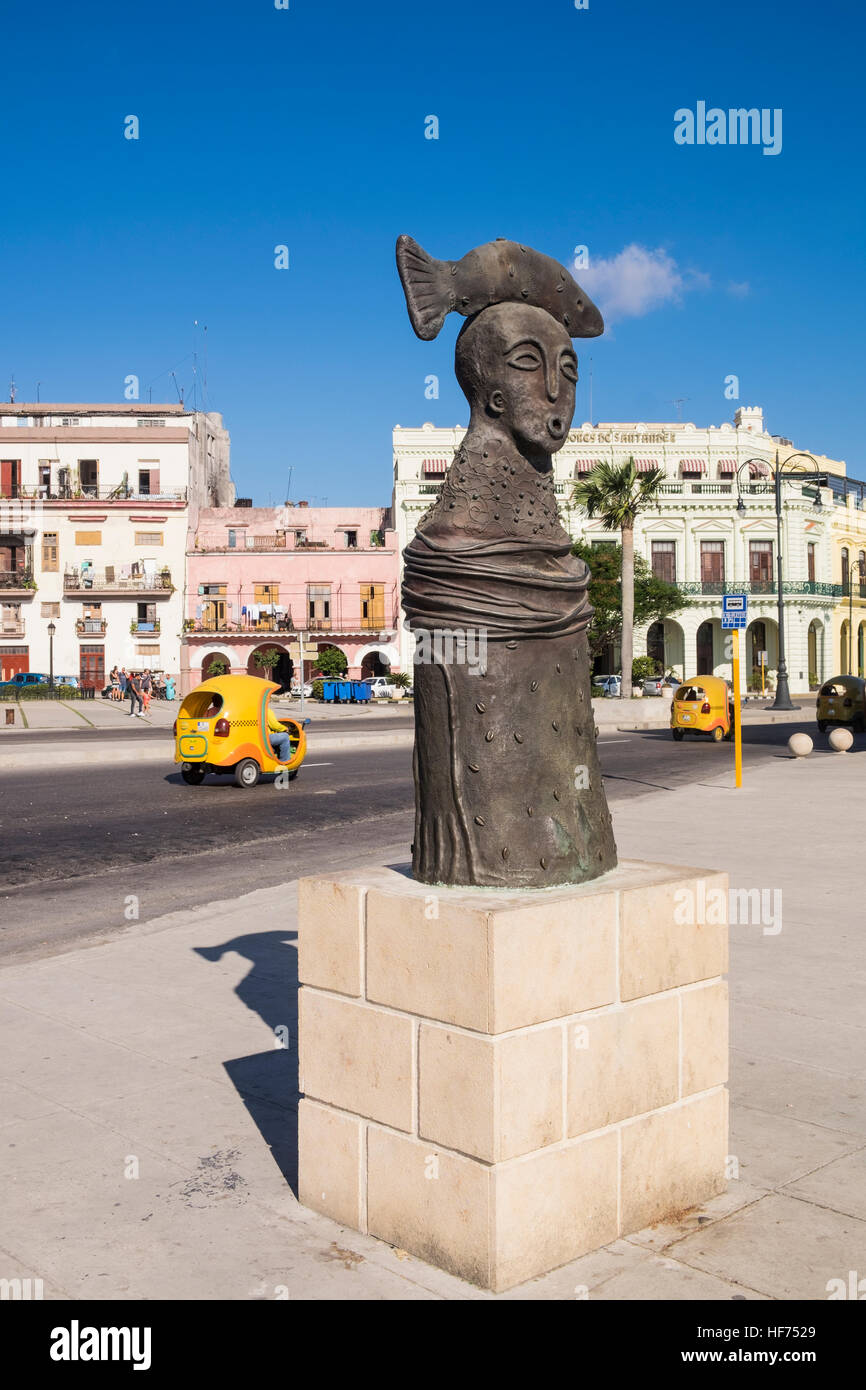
[{"x": 305, "y": 127}]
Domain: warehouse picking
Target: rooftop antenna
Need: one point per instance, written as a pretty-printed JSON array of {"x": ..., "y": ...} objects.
[
  {"x": 38, "y": 384},
  {"x": 177, "y": 388},
  {"x": 679, "y": 403},
  {"x": 289, "y": 488},
  {"x": 12, "y": 390}
]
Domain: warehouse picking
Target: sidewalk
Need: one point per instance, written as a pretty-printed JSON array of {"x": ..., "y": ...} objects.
[{"x": 148, "y": 1120}]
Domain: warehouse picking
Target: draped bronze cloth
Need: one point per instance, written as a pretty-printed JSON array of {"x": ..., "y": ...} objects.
[{"x": 510, "y": 588}]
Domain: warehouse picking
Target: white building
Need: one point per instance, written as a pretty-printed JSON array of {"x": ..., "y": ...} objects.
[
  {"x": 698, "y": 537},
  {"x": 96, "y": 502}
]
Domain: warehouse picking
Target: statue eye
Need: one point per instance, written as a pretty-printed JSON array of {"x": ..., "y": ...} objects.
[
  {"x": 526, "y": 359},
  {"x": 568, "y": 366}
]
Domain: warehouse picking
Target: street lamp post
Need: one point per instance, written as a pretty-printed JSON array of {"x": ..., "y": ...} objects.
[
  {"x": 857, "y": 565},
  {"x": 51, "y": 631},
  {"x": 783, "y": 694}
]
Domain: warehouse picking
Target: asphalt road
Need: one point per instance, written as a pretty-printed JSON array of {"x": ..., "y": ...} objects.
[{"x": 74, "y": 843}]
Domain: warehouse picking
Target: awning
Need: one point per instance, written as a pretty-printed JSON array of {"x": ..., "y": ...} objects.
[
  {"x": 693, "y": 465},
  {"x": 727, "y": 466},
  {"x": 757, "y": 469},
  {"x": 646, "y": 465},
  {"x": 432, "y": 466},
  {"x": 584, "y": 465}
]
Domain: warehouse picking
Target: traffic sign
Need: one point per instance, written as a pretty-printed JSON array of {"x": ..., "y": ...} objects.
[{"x": 734, "y": 610}]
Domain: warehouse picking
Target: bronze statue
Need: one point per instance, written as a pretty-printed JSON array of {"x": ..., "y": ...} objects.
[{"x": 508, "y": 791}]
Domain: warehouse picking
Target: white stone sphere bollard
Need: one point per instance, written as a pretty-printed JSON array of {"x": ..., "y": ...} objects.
[
  {"x": 800, "y": 745},
  {"x": 840, "y": 740}
]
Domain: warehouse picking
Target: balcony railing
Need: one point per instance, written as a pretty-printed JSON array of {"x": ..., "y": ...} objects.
[
  {"x": 144, "y": 629},
  {"x": 12, "y": 628},
  {"x": 711, "y": 588},
  {"x": 17, "y": 579},
  {"x": 90, "y": 627},
  {"x": 112, "y": 581},
  {"x": 93, "y": 492},
  {"x": 333, "y": 627}
]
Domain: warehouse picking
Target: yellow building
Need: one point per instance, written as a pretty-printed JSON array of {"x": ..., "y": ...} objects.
[{"x": 849, "y": 559}]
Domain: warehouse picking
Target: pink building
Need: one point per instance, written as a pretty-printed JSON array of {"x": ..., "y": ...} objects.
[{"x": 262, "y": 578}]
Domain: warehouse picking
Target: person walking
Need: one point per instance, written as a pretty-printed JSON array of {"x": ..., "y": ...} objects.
[
  {"x": 146, "y": 689},
  {"x": 134, "y": 687}
]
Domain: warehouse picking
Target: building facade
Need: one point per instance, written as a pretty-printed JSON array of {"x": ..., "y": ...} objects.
[
  {"x": 96, "y": 503},
  {"x": 292, "y": 579},
  {"x": 713, "y": 531}
]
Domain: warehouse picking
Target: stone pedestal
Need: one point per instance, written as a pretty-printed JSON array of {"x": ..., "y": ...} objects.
[{"x": 499, "y": 1082}]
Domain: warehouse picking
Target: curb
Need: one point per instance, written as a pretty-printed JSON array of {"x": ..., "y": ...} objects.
[{"x": 129, "y": 753}]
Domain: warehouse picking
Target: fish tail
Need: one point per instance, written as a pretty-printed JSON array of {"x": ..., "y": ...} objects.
[{"x": 426, "y": 286}]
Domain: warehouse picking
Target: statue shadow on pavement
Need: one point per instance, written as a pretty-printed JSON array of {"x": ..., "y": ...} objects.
[{"x": 267, "y": 1082}]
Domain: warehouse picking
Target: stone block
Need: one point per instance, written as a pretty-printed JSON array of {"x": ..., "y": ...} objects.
[
  {"x": 622, "y": 1062},
  {"x": 330, "y": 946},
  {"x": 331, "y": 1163},
  {"x": 356, "y": 1057},
  {"x": 491, "y": 1098},
  {"x": 673, "y": 1160},
  {"x": 704, "y": 1037},
  {"x": 673, "y": 933}
]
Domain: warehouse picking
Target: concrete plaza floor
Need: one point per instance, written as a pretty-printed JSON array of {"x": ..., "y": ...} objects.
[{"x": 147, "y": 1119}]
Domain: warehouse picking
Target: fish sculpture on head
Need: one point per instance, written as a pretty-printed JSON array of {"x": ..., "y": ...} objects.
[{"x": 499, "y": 272}]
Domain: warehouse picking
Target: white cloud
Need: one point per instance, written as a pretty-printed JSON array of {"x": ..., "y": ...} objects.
[
  {"x": 739, "y": 288},
  {"x": 637, "y": 280}
]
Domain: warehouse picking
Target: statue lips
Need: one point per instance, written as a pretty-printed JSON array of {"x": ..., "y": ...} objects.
[{"x": 499, "y": 272}]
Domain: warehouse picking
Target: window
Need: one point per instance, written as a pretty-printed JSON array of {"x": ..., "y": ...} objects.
[
  {"x": 147, "y": 651},
  {"x": 88, "y": 476},
  {"x": 810, "y": 561},
  {"x": 712, "y": 562},
  {"x": 351, "y": 540},
  {"x": 24, "y": 420},
  {"x": 233, "y": 539},
  {"x": 300, "y": 537},
  {"x": 664, "y": 560},
  {"x": 44, "y": 479},
  {"x": 146, "y": 619},
  {"x": 148, "y": 538},
  {"x": 761, "y": 562},
  {"x": 150, "y": 423},
  {"x": 67, "y": 421},
  {"x": 372, "y": 605},
  {"x": 267, "y": 593},
  {"x": 51, "y": 610},
  {"x": 148, "y": 478},
  {"x": 93, "y": 611},
  {"x": 215, "y": 590},
  {"x": 846, "y": 567},
  {"x": 319, "y": 605},
  {"x": 88, "y": 538},
  {"x": 10, "y": 617},
  {"x": 10, "y": 477},
  {"x": 50, "y": 552}
]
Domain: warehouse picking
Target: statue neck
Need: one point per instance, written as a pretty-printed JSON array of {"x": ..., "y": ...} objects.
[{"x": 487, "y": 432}]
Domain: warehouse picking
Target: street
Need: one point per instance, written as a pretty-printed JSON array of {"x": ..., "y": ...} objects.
[{"x": 77, "y": 846}]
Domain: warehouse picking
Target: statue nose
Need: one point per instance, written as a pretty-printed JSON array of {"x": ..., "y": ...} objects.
[{"x": 552, "y": 382}]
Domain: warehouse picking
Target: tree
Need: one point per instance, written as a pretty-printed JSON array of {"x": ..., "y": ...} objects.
[
  {"x": 331, "y": 662},
  {"x": 266, "y": 660},
  {"x": 654, "y": 600},
  {"x": 616, "y": 494}
]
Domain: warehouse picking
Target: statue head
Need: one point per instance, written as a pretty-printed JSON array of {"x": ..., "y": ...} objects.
[{"x": 518, "y": 369}]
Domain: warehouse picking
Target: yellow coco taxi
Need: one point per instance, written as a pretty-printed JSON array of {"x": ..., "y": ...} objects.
[
  {"x": 702, "y": 705},
  {"x": 224, "y": 726},
  {"x": 842, "y": 700}
]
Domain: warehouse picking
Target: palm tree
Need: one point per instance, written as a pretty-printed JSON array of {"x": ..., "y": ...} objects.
[{"x": 616, "y": 494}]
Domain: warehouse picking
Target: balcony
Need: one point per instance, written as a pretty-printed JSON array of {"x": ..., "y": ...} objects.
[
  {"x": 331, "y": 627},
  {"x": 150, "y": 629},
  {"x": 12, "y": 627},
  {"x": 708, "y": 588},
  {"x": 94, "y": 493},
  {"x": 19, "y": 582},
  {"x": 113, "y": 582},
  {"x": 90, "y": 627}
]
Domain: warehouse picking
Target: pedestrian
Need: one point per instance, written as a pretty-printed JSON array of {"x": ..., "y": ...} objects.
[
  {"x": 124, "y": 682},
  {"x": 134, "y": 687},
  {"x": 146, "y": 689}
]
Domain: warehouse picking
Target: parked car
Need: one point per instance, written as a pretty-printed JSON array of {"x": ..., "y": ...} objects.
[
  {"x": 295, "y": 688},
  {"x": 609, "y": 684},
  {"x": 658, "y": 684},
  {"x": 381, "y": 688},
  {"x": 23, "y": 678},
  {"x": 67, "y": 680}
]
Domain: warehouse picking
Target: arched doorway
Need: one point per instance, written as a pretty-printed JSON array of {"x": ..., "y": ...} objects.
[
  {"x": 705, "y": 650},
  {"x": 761, "y": 636},
  {"x": 219, "y": 660},
  {"x": 816, "y": 653},
  {"x": 374, "y": 664},
  {"x": 276, "y": 670},
  {"x": 843, "y": 648},
  {"x": 655, "y": 642}
]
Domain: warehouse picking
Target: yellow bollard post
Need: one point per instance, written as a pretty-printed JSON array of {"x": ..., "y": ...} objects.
[{"x": 738, "y": 741}]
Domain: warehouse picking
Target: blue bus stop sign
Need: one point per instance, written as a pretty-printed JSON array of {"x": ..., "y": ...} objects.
[{"x": 734, "y": 610}]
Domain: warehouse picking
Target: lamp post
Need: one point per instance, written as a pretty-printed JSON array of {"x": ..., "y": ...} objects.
[
  {"x": 51, "y": 631},
  {"x": 779, "y": 475},
  {"x": 857, "y": 565}
]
